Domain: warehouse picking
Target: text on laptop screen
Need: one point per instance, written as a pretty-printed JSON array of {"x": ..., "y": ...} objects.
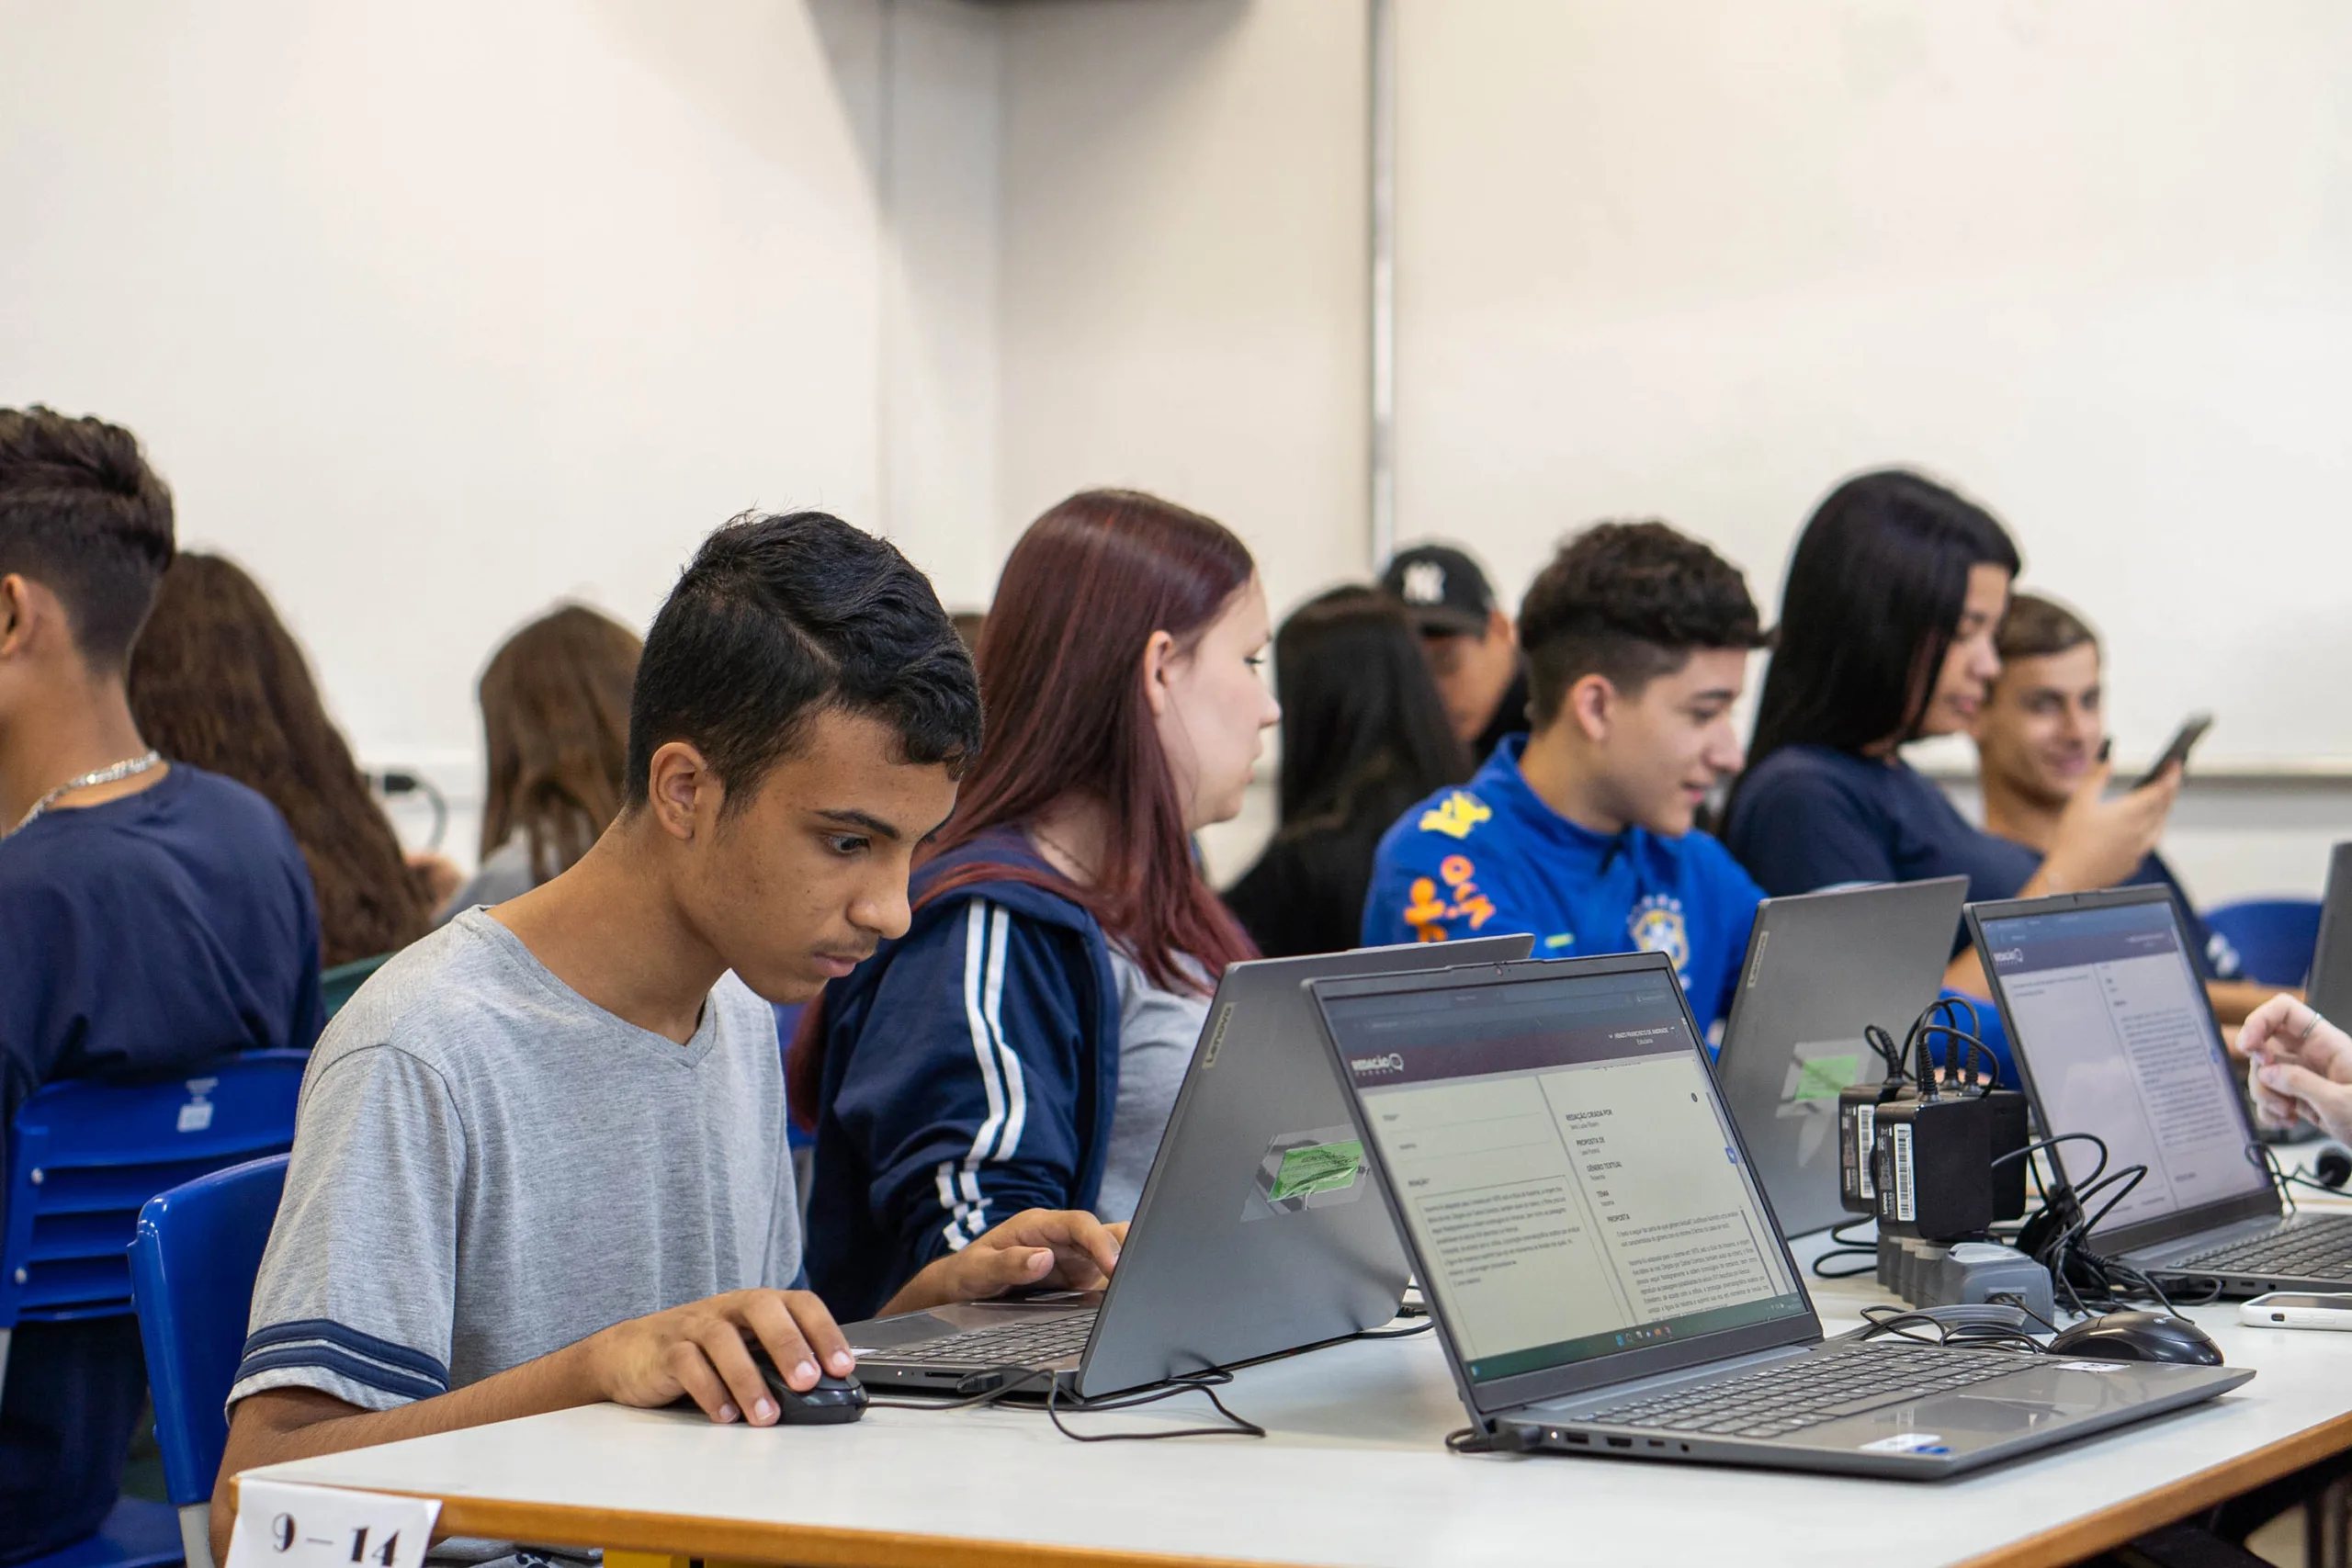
[
  {"x": 2111, "y": 1017},
  {"x": 1557, "y": 1148}
]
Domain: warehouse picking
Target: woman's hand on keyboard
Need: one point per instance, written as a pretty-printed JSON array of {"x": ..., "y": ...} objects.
[{"x": 1064, "y": 1249}]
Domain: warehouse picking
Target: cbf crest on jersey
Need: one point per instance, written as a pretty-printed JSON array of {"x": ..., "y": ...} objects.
[{"x": 1656, "y": 925}]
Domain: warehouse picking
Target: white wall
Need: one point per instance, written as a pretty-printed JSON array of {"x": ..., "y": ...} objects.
[
  {"x": 1183, "y": 286},
  {"x": 1183, "y": 296},
  {"x": 2091, "y": 259},
  {"x": 434, "y": 313}
]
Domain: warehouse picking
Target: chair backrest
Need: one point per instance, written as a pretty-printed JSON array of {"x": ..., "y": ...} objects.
[
  {"x": 2274, "y": 937},
  {"x": 192, "y": 1269},
  {"x": 336, "y": 985},
  {"x": 85, "y": 1154}
]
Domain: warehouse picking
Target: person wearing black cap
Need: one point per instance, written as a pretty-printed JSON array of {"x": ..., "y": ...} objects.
[{"x": 1470, "y": 646}]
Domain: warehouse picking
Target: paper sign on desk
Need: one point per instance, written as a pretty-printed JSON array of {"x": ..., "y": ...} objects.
[{"x": 280, "y": 1525}]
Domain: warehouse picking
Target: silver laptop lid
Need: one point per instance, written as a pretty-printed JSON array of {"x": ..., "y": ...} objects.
[
  {"x": 1576, "y": 1200},
  {"x": 2110, "y": 1025},
  {"x": 1820, "y": 968},
  {"x": 1255, "y": 1234},
  {"x": 2330, "y": 991}
]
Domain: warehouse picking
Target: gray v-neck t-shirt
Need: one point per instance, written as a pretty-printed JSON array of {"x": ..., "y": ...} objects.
[{"x": 487, "y": 1167}]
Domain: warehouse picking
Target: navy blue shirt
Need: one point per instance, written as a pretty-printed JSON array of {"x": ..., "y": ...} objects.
[
  {"x": 139, "y": 935},
  {"x": 153, "y": 930},
  {"x": 1809, "y": 816}
]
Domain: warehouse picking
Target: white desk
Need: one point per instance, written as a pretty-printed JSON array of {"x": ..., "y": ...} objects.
[{"x": 1354, "y": 1473}]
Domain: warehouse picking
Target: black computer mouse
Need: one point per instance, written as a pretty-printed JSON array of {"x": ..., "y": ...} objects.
[
  {"x": 2139, "y": 1336},
  {"x": 831, "y": 1402}
]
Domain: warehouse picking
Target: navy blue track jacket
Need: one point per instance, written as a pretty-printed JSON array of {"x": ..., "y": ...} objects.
[{"x": 971, "y": 1067}]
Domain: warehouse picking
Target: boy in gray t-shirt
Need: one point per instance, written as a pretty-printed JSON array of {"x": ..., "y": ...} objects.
[
  {"x": 541, "y": 1170},
  {"x": 539, "y": 1159}
]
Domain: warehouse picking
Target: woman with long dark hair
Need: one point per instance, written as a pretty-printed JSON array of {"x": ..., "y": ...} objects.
[
  {"x": 1886, "y": 637},
  {"x": 1021, "y": 1045},
  {"x": 1364, "y": 736},
  {"x": 218, "y": 682},
  {"x": 555, "y": 733}
]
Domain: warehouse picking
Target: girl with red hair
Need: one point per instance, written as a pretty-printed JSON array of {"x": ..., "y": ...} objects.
[{"x": 1021, "y": 1045}]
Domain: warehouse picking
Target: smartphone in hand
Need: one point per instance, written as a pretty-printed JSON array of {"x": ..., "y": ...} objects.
[{"x": 2184, "y": 740}]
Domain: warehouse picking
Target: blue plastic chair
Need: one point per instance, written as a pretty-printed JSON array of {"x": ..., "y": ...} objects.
[
  {"x": 192, "y": 1269},
  {"x": 84, "y": 1155},
  {"x": 2275, "y": 937}
]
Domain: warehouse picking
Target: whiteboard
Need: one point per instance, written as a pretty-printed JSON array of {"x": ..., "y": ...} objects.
[{"x": 2089, "y": 261}]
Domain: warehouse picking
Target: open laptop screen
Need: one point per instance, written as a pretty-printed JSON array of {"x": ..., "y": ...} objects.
[
  {"x": 1571, "y": 1183},
  {"x": 2109, "y": 1015}
]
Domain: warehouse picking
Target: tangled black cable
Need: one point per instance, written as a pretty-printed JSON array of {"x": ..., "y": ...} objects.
[
  {"x": 1019, "y": 1379},
  {"x": 2058, "y": 1237},
  {"x": 1977, "y": 1333},
  {"x": 990, "y": 1385},
  {"x": 1423, "y": 1326},
  {"x": 1845, "y": 1246},
  {"x": 1470, "y": 1440}
]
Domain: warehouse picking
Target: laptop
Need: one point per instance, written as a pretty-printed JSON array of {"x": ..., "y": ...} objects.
[
  {"x": 1603, "y": 1268},
  {"x": 2330, "y": 987},
  {"x": 1820, "y": 968},
  {"x": 1253, "y": 1236},
  {"x": 2113, "y": 1036}
]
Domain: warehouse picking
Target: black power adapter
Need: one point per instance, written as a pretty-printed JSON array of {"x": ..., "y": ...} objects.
[
  {"x": 1931, "y": 1151},
  {"x": 2010, "y": 1135},
  {"x": 1857, "y": 1106},
  {"x": 1931, "y": 1160}
]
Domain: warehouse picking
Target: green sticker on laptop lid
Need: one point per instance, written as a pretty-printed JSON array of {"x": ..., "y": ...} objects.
[
  {"x": 1825, "y": 1078},
  {"x": 1317, "y": 1167}
]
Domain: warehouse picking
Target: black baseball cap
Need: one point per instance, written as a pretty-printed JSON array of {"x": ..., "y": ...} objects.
[{"x": 1441, "y": 588}]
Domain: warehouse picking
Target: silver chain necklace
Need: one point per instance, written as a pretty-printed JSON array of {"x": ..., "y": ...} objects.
[{"x": 129, "y": 767}]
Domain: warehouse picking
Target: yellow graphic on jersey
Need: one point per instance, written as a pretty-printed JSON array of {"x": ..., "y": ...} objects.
[
  {"x": 1428, "y": 912},
  {"x": 1658, "y": 926},
  {"x": 1459, "y": 812}
]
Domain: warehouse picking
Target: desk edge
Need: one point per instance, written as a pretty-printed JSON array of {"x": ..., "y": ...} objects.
[
  {"x": 833, "y": 1546},
  {"x": 758, "y": 1540},
  {"x": 2135, "y": 1516}
]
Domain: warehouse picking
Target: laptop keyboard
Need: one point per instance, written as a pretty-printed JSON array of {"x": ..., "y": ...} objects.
[
  {"x": 2316, "y": 1248},
  {"x": 1003, "y": 1345},
  {"x": 1778, "y": 1400}
]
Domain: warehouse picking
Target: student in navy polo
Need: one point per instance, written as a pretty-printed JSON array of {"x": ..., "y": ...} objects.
[
  {"x": 152, "y": 915},
  {"x": 1581, "y": 832}
]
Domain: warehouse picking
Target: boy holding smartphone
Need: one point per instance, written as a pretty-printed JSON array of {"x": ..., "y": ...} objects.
[{"x": 2040, "y": 733}]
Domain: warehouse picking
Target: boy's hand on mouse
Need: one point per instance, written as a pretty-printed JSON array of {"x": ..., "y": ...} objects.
[
  {"x": 1056, "y": 1248},
  {"x": 2301, "y": 1066},
  {"x": 703, "y": 1352}
]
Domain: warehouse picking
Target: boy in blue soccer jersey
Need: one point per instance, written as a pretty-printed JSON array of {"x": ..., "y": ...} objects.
[{"x": 1637, "y": 641}]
